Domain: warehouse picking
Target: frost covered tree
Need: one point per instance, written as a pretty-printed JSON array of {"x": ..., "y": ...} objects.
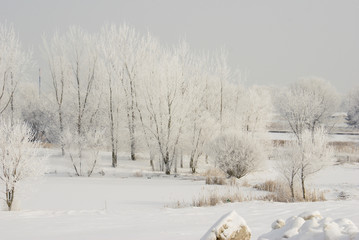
[
  {"x": 307, "y": 104},
  {"x": 55, "y": 51},
  {"x": 253, "y": 109},
  {"x": 123, "y": 52},
  {"x": 200, "y": 123},
  {"x": 86, "y": 88},
  {"x": 304, "y": 157},
  {"x": 353, "y": 111},
  {"x": 75, "y": 75},
  {"x": 165, "y": 96},
  {"x": 316, "y": 153},
  {"x": 18, "y": 158},
  {"x": 237, "y": 154},
  {"x": 14, "y": 64},
  {"x": 91, "y": 143},
  {"x": 289, "y": 163}
]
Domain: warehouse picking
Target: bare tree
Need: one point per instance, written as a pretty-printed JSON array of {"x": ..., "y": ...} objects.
[
  {"x": 307, "y": 104},
  {"x": 316, "y": 153},
  {"x": 91, "y": 143},
  {"x": 59, "y": 71},
  {"x": 124, "y": 52},
  {"x": 14, "y": 63},
  {"x": 165, "y": 95},
  {"x": 18, "y": 158},
  {"x": 253, "y": 109},
  {"x": 83, "y": 89},
  {"x": 304, "y": 157},
  {"x": 289, "y": 163}
]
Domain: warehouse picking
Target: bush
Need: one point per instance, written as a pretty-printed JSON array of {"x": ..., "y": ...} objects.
[
  {"x": 215, "y": 176},
  {"x": 237, "y": 154},
  {"x": 269, "y": 186}
]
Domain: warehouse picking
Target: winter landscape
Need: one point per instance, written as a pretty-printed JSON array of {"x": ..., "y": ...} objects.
[{"x": 115, "y": 133}]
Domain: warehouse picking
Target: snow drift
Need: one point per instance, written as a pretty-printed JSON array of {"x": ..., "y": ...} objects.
[{"x": 311, "y": 225}]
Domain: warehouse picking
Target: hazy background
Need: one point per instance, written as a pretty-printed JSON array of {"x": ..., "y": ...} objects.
[{"x": 274, "y": 42}]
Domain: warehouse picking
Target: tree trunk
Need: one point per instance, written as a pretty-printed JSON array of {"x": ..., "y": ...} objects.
[
  {"x": 176, "y": 163},
  {"x": 166, "y": 161},
  {"x": 181, "y": 158},
  {"x": 61, "y": 133},
  {"x": 302, "y": 178},
  {"x": 132, "y": 135},
  {"x": 151, "y": 160},
  {"x": 192, "y": 164},
  {"x": 292, "y": 189},
  {"x": 114, "y": 158},
  {"x": 191, "y": 161},
  {"x": 10, "y": 197}
]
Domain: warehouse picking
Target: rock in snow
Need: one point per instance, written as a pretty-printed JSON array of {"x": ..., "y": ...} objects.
[
  {"x": 278, "y": 224},
  {"x": 229, "y": 227},
  {"x": 311, "y": 225}
]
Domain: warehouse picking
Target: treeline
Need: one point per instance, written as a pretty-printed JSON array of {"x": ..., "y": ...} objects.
[{"x": 118, "y": 89}]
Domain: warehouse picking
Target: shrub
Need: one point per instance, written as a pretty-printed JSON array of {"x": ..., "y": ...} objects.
[
  {"x": 269, "y": 186},
  {"x": 237, "y": 154},
  {"x": 215, "y": 176}
]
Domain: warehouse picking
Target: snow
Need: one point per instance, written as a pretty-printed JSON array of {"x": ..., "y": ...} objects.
[
  {"x": 119, "y": 205},
  {"x": 311, "y": 225}
]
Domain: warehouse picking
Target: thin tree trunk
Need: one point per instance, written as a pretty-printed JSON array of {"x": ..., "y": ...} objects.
[
  {"x": 151, "y": 160},
  {"x": 175, "y": 164},
  {"x": 112, "y": 129},
  {"x": 302, "y": 178},
  {"x": 10, "y": 197},
  {"x": 166, "y": 161},
  {"x": 12, "y": 102},
  {"x": 61, "y": 133},
  {"x": 292, "y": 188},
  {"x": 181, "y": 158}
]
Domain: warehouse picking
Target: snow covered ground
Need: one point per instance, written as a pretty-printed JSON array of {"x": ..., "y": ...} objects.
[{"x": 131, "y": 202}]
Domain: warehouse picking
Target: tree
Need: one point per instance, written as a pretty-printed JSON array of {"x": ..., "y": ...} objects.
[
  {"x": 253, "y": 109},
  {"x": 18, "y": 158},
  {"x": 237, "y": 154},
  {"x": 201, "y": 123},
  {"x": 165, "y": 95},
  {"x": 79, "y": 80},
  {"x": 304, "y": 157},
  {"x": 55, "y": 52},
  {"x": 316, "y": 153},
  {"x": 289, "y": 163},
  {"x": 14, "y": 63},
  {"x": 353, "y": 111},
  {"x": 90, "y": 142},
  {"x": 307, "y": 104},
  {"x": 123, "y": 53}
]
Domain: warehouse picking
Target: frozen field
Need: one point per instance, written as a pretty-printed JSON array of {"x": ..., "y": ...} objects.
[{"x": 125, "y": 204}]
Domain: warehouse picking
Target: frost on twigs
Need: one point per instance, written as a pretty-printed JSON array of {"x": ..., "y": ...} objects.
[
  {"x": 18, "y": 158},
  {"x": 229, "y": 227},
  {"x": 311, "y": 225},
  {"x": 237, "y": 154}
]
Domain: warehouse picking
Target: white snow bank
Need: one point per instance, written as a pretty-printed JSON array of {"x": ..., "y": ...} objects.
[
  {"x": 311, "y": 225},
  {"x": 230, "y": 226}
]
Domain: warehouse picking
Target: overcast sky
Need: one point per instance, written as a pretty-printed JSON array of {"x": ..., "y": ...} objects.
[{"x": 275, "y": 42}]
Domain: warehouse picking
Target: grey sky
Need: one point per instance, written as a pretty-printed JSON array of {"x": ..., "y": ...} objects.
[{"x": 276, "y": 42}]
